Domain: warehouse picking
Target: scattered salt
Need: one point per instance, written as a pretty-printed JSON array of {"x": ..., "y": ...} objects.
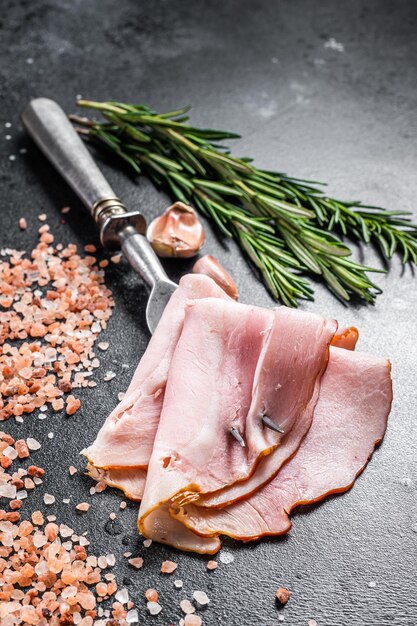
[
  {"x": 226, "y": 557},
  {"x": 187, "y": 607},
  {"x": 122, "y": 596},
  {"x": 132, "y": 616},
  {"x": 154, "y": 608},
  {"x": 201, "y": 598},
  {"x": 48, "y": 498},
  {"x": 33, "y": 444}
]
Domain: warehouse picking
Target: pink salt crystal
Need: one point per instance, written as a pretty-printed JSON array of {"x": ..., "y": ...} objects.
[
  {"x": 32, "y": 444},
  {"x": 101, "y": 589},
  {"x": 211, "y": 565},
  {"x": 72, "y": 470},
  {"x": 48, "y": 498},
  {"x": 136, "y": 562},
  {"x": 87, "y": 600},
  {"x": 69, "y": 592},
  {"x": 82, "y": 506},
  {"x": 23, "y": 223},
  {"x": 116, "y": 258},
  {"x": 102, "y": 562},
  {"x": 39, "y": 540},
  {"x": 168, "y": 567},
  {"x": 65, "y": 210},
  {"x": 153, "y": 607},
  {"x": 151, "y": 595},
  {"x": 42, "y": 217},
  {"x": 187, "y": 607},
  {"x": 65, "y": 531},
  {"x": 192, "y": 620}
]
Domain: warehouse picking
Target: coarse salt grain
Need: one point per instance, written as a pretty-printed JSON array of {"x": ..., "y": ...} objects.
[
  {"x": 48, "y": 498},
  {"x": 82, "y": 506},
  {"x": 211, "y": 565},
  {"x": 65, "y": 531},
  {"x": 72, "y": 470},
  {"x": 123, "y": 504},
  {"x": 178, "y": 584},
  {"x": 147, "y": 543},
  {"x": 136, "y": 562},
  {"x": 132, "y": 616},
  {"x": 187, "y": 607},
  {"x": 10, "y": 452},
  {"x": 151, "y": 595},
  {"x": 8, "y": 491},
  {"x": 226, "y": 557},
  {"x": 109, "y": 376},
  {"x": 201, "y": 598},
  {"x": 168, "y": 567},
  {"x": 192, "y": 620},
  {"x": 32, "y": 444},
  {"x": 23, "y": 223},
  {"x": 102, "y": 562},
  {"x": 103, "y": 345},
  {"x": 154, "y": 608},
  {"x": 122, "y": 596}
]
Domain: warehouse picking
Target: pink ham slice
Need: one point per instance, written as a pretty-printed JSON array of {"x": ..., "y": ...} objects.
[
  {"x": 233, "y": 363},
  {"x": 349, "y": 421},
  {"x": 295, "y": 358},
  {"x": 127, "y": 436}
]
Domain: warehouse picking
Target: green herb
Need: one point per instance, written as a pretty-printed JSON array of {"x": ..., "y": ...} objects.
[{"x": 287, "y": 227}]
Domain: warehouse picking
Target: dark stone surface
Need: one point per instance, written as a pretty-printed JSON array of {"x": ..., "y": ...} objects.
[{"x": 345, "y": 115}]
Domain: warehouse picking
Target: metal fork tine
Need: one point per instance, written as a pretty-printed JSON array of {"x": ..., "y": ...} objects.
[
  {"x": 236, "y": 434},
  {"x": 270, "y": 424}
]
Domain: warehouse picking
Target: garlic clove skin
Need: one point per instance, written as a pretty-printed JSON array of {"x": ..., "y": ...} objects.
[
  {"x": 210, "y": 267},
  {"x": 176, "y": 233}
]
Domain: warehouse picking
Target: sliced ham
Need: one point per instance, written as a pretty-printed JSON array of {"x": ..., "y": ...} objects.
[
  {"x": 130, "y": 480},
  {"x": 349, "y": 421},
  {"x": 127, "y": 436},
  {"x": 233, "y": 364}
]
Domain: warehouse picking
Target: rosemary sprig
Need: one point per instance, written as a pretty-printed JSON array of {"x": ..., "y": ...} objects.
[{"x": 285, "y": 226}]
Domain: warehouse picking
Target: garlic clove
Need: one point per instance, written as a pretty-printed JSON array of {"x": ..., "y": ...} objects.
[
  {"x": 176, "y": 233},
  {"x": 210, "y": 267}
]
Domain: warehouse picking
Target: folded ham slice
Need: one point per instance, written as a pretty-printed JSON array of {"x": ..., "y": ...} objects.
[
  {"x": 233, "y": 364},
  {"x": 127, "y": 436},
  {"x": 349, "y": 420},
  {"x": 130, "y": 480}
]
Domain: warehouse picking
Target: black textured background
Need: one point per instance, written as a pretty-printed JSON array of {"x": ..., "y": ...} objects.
[{"x": 346, "y": 114}]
